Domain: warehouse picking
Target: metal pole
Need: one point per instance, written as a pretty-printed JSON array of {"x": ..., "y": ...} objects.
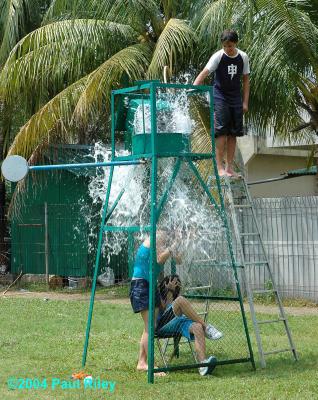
[
  {"x": 100, "y": 241},
  {"x": 46, "y": 245},
  {"x": 83, "y": 165},
  {"x": 153, "y": 223}
]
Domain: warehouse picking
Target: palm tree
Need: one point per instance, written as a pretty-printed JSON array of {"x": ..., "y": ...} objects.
[
  {"x": 67, "y": 67},
  {"x": 281, "y": 38},
  {"x": 17, "y": 18}
]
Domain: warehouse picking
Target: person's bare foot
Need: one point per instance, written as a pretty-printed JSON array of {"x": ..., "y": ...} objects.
[
  {"x": 232, "y": 174},
  {"x": 222, "y": 173},
  {"x": 144, "y": 368}
]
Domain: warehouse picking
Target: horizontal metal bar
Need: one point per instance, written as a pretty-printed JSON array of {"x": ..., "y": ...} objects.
[
  {"x": 221, "y": 264},
  {"x": 199, "y": 296},
  {"x": 269, "y": 321},
  {"x": 243, "y": 206},
  {"x": 256, "y": 263},
  {"x": 285, "y": 176},
  {"x": 83, "y": 165},
  {"x": 186, "y": 156},
  {"x": 277, "y": 351},
  {"x": 199, "y": 88},
  {"x": 193, "y": 366},
  {"x": 199, "y": 287},
  {"x": 250, "y": 234},
  {"x": 111, "y": 228},
  {"x": 38, "y": 225}
]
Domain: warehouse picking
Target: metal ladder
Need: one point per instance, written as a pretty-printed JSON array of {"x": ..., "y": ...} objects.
[{"x": 231, "y": 187}]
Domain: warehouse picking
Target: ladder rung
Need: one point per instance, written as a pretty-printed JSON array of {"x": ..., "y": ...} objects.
[
  {"x": 213, "y": 264},
  {"x": 242, "y": 205},
  {"x": 250, "y": 234},
  {"x": 269, "y": 321},
  {"x": 256, "y": 263},
  {"x": 277, "y": 351}
]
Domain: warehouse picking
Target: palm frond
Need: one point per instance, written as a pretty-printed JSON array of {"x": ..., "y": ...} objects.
[
  {"x": 214, "y": 17},
  {"x": 71, "y": 9},
  {"x": 132, "y": 61},
  {"x": 136, "y": 13},
  {"x": 56, "y": 114},
  {"x": 59, "y": 52},
  {"x": 279, "y": 58},
  {"x": 174, "y": 44},
  {"x": 15, "y": 16},
  {"x": 290, "y": 28},
  {"x": 201, "y": 136}
]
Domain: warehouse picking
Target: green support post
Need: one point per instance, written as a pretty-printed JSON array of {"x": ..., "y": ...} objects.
[
  {"x": 98, "y": 253},
  {"x": 153, "y": 223}
]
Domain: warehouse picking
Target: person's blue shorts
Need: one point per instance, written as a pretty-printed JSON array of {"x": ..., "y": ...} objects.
[
  {"x": 139, "y": 295},
  {"x": 176, "y": 325}
]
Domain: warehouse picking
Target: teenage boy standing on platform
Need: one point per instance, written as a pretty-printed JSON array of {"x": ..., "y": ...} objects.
[{"x": 229, "y": 65}]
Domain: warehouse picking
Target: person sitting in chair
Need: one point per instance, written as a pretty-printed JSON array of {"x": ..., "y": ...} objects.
[{"x": 177, "y": 316}]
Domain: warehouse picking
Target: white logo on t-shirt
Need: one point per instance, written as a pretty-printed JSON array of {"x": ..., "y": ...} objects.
[{"x": 232, "y": 70}]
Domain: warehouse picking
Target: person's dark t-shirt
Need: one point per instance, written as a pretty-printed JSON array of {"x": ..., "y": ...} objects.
[{"x": 228, "y": 71}]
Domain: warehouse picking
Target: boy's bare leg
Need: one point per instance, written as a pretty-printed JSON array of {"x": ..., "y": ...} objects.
[
  {"x": 199, "y": 340},
  {"x": 220, "y": 143},
  {"x": 182, "y": 306},
  {"x": 230, "y": 152}
]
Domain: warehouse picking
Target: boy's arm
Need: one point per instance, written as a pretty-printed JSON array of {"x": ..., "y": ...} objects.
[
  {"x": 210, "y": 67},
  {"x": 201, "y": 77},
  {"x": 246, "y": 92}
]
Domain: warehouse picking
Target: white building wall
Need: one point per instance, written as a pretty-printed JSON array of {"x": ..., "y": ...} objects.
[{"x": 263, "y": 167}]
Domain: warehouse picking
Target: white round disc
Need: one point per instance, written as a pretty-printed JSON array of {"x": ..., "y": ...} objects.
[{"x": 14, "y": 168}]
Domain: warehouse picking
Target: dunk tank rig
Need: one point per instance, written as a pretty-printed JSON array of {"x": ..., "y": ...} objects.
[{"x": 171, "y": 151}]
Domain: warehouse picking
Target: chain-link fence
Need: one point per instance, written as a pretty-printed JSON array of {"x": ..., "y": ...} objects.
[{"x": 289, "y": 230}]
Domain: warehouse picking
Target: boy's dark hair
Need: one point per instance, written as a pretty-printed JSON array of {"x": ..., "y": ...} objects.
[
  {"x": 229, "y": 35},
  {"x": 163, "y": 290}
]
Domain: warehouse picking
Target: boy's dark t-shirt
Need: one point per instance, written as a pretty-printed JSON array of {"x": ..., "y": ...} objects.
[{"x": 228, "y": 71}]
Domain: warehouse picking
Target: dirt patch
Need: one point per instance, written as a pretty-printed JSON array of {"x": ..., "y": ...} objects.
[
  {"x": 100, "y": 297},
  {"x": 64, "y": 296}
]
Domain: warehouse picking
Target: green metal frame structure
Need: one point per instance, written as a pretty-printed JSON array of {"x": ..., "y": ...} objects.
[{"x": 150, "y": 90}]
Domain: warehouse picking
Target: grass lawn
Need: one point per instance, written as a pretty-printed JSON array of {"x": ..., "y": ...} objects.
[{"x": 44, "y": 339}]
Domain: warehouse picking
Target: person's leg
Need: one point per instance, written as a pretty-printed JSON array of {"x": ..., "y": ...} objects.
[
  {"x": 222, "y": 119},
  {"x": 182, "y": 306},
  {"x": 236, "y": 129},
  {"x": 142, "y": 364},
  {"x": 143, "y": 351},
  {"x": 220, "y": 143},
  {"x": 199, "y": 340},
  {"x": 230, "y": 151}
]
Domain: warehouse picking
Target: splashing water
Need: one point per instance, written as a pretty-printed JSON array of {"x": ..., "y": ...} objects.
[{"x": 187, "y": 209}]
